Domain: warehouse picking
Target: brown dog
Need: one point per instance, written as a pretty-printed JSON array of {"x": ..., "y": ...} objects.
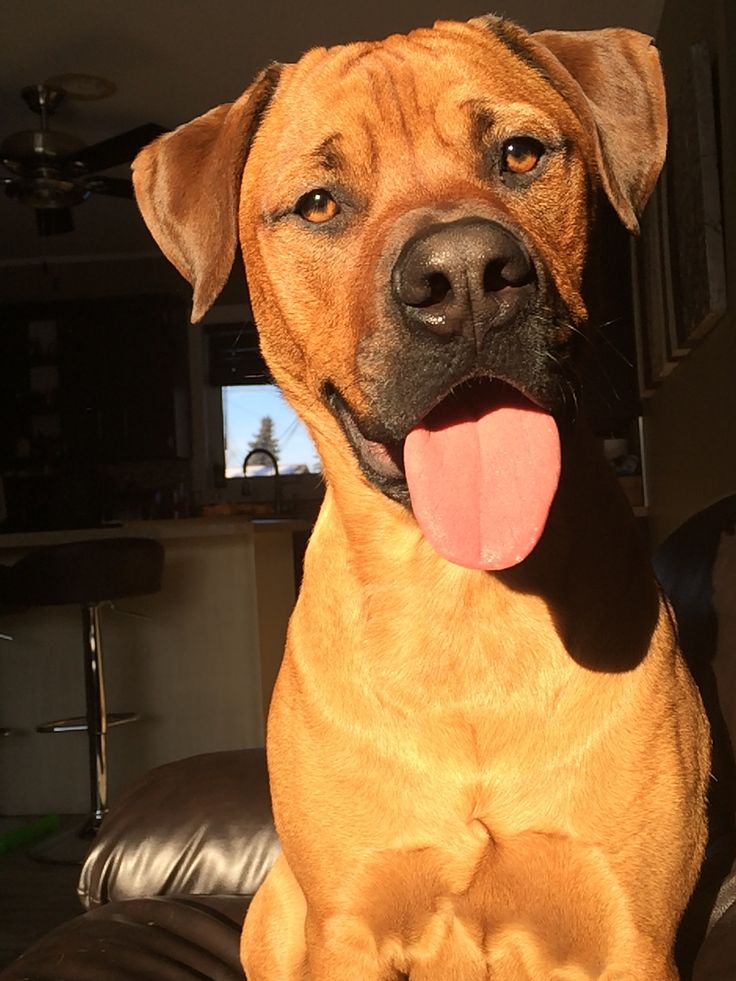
[{"x": 487, "y": 757}]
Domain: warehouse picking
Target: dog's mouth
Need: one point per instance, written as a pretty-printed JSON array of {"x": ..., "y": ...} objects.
[{"x": 479, "y": 470}]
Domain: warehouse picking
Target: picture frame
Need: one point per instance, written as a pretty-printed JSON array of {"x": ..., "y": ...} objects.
[
  {"x": 695, "y": 239},
  {"x": 678, "y": 262},
  {"x": 653, "y": 300}
]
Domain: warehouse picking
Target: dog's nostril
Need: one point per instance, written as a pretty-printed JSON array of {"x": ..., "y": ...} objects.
[
  {"x": 493, "y": 278},
  {"x": 439, "y": 288},
  {"x": 500, "y": 273},
  {"x": 435, "y": 289}
]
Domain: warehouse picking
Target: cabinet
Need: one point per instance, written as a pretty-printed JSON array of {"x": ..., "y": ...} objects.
[
  {"x": 104, "y": 381},
  {"x": 15, "y": 382}
]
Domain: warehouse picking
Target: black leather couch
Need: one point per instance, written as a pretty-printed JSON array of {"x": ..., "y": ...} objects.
[
  {"x": 172, "y": 870},
  {"x": 169, "y": 878}
]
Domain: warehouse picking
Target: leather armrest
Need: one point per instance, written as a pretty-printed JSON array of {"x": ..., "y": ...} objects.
[
  {"x": 716, "y": 960},
  {"x": 179, "y": 938},
  {"x": 198, "y": 826}
]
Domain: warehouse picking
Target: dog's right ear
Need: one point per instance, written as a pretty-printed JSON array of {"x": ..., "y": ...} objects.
[
  {"x": 619, "y": 74},
  {"x": 187, "y": 184}
]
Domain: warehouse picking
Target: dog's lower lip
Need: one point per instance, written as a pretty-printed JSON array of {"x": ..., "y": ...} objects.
[{"x": 385, "y": 459}]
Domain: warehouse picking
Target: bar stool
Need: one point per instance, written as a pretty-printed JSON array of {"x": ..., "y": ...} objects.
[
  {"x": 89, "y": 574},
  {"x": 7, "y": 605}
]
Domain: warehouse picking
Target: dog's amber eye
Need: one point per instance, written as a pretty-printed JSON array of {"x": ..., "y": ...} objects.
[
  {"x": 521, "y": 154},
  {"x": 317, "y": 206}
]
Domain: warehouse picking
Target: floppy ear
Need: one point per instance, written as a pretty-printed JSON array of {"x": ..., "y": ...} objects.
[
  {"x": 619, "y": 74},
  {"x": 187, "y": 184}
]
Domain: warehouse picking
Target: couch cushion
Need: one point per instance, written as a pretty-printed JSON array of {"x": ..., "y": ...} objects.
[
  {"x": 178, "y": 938},
  {"x": 198, "y": 826}
]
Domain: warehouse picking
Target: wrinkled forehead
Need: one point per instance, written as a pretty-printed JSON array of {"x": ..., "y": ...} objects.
[{"x": 432, "y": 85}]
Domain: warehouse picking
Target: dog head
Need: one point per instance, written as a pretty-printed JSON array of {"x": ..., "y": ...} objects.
[{"x": 414, "y": 216}]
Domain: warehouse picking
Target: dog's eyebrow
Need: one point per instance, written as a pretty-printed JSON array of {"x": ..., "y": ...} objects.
[
  {"x": 482, "y": 120},
  {"x": 515, "y": 40},
  {"x": 329, "y": 155}
]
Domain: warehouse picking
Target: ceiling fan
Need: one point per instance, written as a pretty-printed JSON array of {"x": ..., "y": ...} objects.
[{"x": 54, "y": 171}]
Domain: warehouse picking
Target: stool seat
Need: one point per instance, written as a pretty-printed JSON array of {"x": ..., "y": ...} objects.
[{"x": 87, "y": 572}]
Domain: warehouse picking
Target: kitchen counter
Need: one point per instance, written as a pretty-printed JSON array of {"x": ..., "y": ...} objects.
[{"x": 217, "y": 526}]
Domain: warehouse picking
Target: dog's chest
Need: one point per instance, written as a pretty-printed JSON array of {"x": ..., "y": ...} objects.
[{"x": 495, "y": 902}]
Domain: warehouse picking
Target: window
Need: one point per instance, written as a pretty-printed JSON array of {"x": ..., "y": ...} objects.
[
  {"x": 251, "y": 405},
  {"x": 245, "y": 409}
]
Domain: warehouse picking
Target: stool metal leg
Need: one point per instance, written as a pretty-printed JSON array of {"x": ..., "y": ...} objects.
[
  {"x": 3, "y": 730},
  {"x": 71, "y": 847},
  {"x": 96, "y": 715}
]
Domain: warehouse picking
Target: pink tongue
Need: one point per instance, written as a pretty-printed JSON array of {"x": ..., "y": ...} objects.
[{"x": 482, "y": 474}]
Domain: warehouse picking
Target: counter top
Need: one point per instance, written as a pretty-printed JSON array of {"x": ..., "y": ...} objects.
[{"x": 162, "y": 530}]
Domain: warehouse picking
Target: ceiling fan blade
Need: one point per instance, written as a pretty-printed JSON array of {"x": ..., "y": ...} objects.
[
  {"x": 116, "y": 187},
  {"x": 118, "y": 149},
  {"x": 54, "y": 221}
]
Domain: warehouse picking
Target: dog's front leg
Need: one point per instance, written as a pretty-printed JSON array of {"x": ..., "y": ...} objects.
[
  {"x": 282, "y": 942},
  {"x": 343, "y": 947},
  {"x": 272, "y": 946}
]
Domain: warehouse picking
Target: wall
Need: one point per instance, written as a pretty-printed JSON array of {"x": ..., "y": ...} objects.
[{"x": 691, "y": 419}]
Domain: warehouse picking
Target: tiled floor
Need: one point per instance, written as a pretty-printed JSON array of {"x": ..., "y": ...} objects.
[{"x": 35, "y": 897}]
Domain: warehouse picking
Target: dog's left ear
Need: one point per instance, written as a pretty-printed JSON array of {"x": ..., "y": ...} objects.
[
  {"x": 187, "y": 184},
  {"x": 620, "y": 75}
]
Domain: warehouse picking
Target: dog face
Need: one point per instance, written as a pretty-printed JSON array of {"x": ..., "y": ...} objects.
[
  {"x": 429, "y": 234},
  {"x": 414, "y": 216}
]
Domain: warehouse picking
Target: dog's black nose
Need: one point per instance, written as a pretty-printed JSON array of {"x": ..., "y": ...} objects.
[{"x": 463, "y": 277}]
